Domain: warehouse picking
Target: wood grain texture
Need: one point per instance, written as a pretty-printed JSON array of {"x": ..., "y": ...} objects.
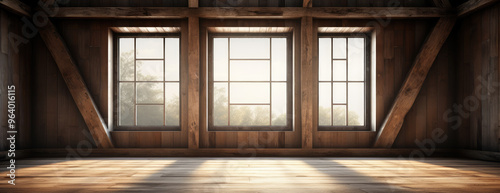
[
  {"x": 307, "y": 81},
  {"x": 193, "y": 3},
  {"x": 307, "y": 3},
  {"x": 16, "y": 7},
  {"x": 251, "y": 12},
  {"x": 241, "y": 152},
  {"x": 413, "y": 83},
  {"x": 254, "y": 175},
  {"x": 473, "y": 5},
  {"x": 76, "y": 85},
  {"x": 478, "y": 72},
  {"x": 193, "y": 83}
]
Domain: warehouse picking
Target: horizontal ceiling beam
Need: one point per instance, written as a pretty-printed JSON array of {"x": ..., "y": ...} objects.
[{"x": 252, "y": 12}]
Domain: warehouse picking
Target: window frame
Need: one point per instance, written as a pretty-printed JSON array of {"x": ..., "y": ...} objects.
[
  {"x": 289, "y": 82},
  {"x": 367, "y": 82},
  {"x": 116, "y": 59}
]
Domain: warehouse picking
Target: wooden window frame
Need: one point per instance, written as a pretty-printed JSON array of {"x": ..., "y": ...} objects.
[
  {"x": 289, "y": 82},
  {"x": 116, "y": 37},
  {"x": 367, "y": 82}
]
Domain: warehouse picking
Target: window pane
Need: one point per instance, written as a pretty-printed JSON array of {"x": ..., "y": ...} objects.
[
  {"x": 325, "y": 59},
  {"x": 220, "y": 59},
  {"x": 172, "y": 104},
  {"x": 249, "y": 115},
  {"x": 279, "y": 59},
  {"x": 126, "y": 104},
  {"x": 249, "y": 93},
  {"x": 220, "y": 108},
  {"x": 338, "y": 115},
  {"x": 126, "y": 65},
  {"x": 149, "y": 48},
  {"x": 356, "y": 59},
  {"x": 250, "y": 70},
  {"x": 325, "y": 104},
  {"x": 339, "y": 93},
  {"x": 150, "y": 115},
  {"x": 339, "y": 70},
  {"x": 279, "y": 101},
  {"x": 149, "y": 70},
  {"x": 149, "y": 93},
  {"x": 250, "y": 48},
  {"x": 339, "y": 51},
  {"x": 356, "y": 104},
  {"x": 172, "y": 55}
]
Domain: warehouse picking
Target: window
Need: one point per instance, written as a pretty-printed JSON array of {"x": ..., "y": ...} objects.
[
  {"x": 250, "y": 82},
  {"x": 148, "y": 82},
  {"x": 343, "y": 76}
]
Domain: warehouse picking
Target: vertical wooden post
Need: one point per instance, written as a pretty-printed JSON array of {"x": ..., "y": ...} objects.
[
  {"x": 307, "y": 81},
  {"x": 307, "y": 3},
  {"x": 193, "y": 4},
  {"x": 194, "y": 82}
]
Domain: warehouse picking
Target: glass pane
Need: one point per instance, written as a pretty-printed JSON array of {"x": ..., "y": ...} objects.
[
  {"x": 220, "y": 109},
  {"x": 249, "y": 115},
  {"x": 279, "y": 59},
  {"x": 338, "y": 115},
  {"x": 149, "y": 48},
  {"x": 250, "y": 48},
  {"x": 150, "y": 115},
  {"x": 149, "y": 93},
  {"x": 172, "y": 55},
  {"x": 126, "y": 104},
  {"x": 325, "y": 104},
  {"x": 339, "y": 93},
  {"x": 249, "y": 93},
  {"x": 339, "y": 72},
  {"x": 278, "y": 108},
  {"x": 220, "y": 59},
  {"x": 356, "y": 59},
  {"x": 339, "y": 51},
  {"x": 356, "y": 104},
  {"x": 250, "y": 70},
  {"x": 172, "y": 104},
  {"x": 149, "y": 70},
  {"x": 126, "y": 59},
  {"x": 325, "y": 59}
]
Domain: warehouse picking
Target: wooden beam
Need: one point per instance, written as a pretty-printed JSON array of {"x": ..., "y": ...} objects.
[
  {"x": 242, "y": 152},
  {"x": 306, "y": 71},
  {"x": 76, "y": 85},
  {"x": 413, "y": 82},
  {"x": 472, "y": 6},
  {"x": 193, "y": 4},
  {"x": 442, "y": 3},
  {"x": 16, "y": 7},
  {"x": 307, "y": 3},
  {"x": 193, "y": 83},
  {"x": 252, "y": 12}
]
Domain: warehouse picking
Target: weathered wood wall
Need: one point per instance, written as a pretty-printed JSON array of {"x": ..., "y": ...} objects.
[
  {"x": 15, "y": 69},
  {"x": 478, "y": 88},
  {"x": 57, "y": 122}
]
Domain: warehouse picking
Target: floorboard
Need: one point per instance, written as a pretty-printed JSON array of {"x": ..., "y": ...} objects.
[{"x": 252, "y": 175}]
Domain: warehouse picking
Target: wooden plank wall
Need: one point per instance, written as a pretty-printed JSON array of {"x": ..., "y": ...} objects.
[
  {"x": 478, "y": 56},
  {"x": 58, "y": 122},
  {"x": 14, "y": 70},
  {"x": 56, "y": 118}
]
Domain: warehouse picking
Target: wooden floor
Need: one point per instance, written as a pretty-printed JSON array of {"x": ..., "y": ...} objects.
[{"x": 253, "y": 175}]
